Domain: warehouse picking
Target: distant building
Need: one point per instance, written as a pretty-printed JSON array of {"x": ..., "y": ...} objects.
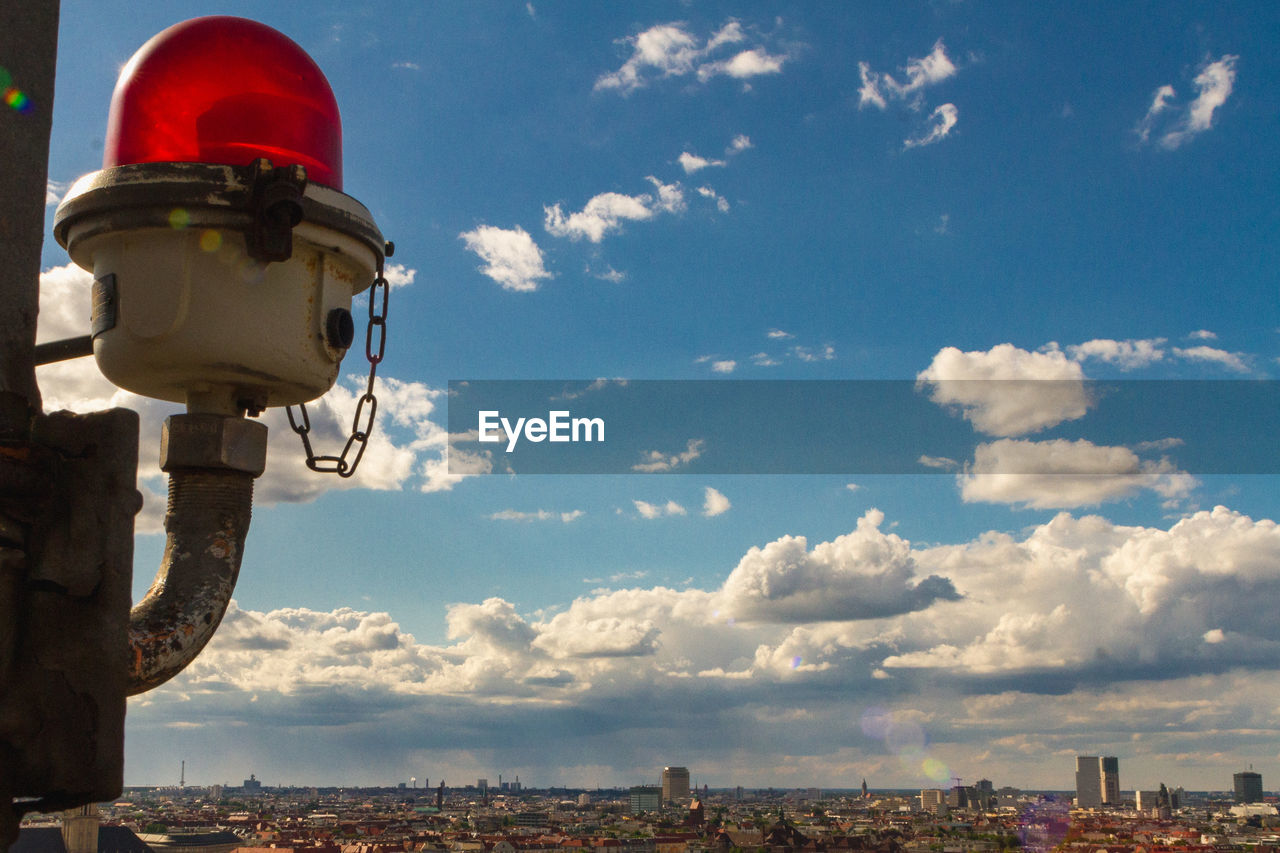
[
  {"x": 1008, "y": 797},
  {"x": 214, "y": 841},
  {"x": 1248, "y": 810},
  {"x": 960, "y": 797},
  {"x": 933, "y": 801},
  {"x": 252, "y": 784},
  {"x": 645, "y": 798},
  {"x": 675, "y": 784},
  {"x": 1110, "y": 769},
  {"x": 1097, "y": 781},
  {"x": 984, "y": 795},
  {"x": 1248, "y": 786}
]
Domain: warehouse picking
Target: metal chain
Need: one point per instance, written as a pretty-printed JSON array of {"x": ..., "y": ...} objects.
[{"x": 362, "y": 423}]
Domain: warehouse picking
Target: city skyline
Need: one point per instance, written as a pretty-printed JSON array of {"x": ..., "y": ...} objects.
[
  {"x": 1243, "y": 783},
  {"x": 599, "y": 194}
]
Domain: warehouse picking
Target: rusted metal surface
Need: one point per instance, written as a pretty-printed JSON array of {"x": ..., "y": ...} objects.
[
  {"x": 144, "y": 194},
  {"x": 206, "y": 522},
  {"x": 67, "y": 501},
  {"x": 214, "y": 442},
  {"x": 212, "y": 461}
]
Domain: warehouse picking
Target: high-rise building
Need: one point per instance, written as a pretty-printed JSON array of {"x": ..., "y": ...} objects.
[
  {"x": 1088, "y": 782},
  {"x": 675, "y": 783},
  {"x": 984, "y": 795},
  {"x": 1248, "y": 786},
  {"x": 961, "y": 797},
  {"x": 645, "y": 798},
  {"x": 1097, "y": 781},
  {"x": 1110, "y": 770},
  {"x": 933, "y": 801}
]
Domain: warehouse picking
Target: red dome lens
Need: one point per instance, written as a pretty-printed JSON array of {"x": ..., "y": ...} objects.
[{"x": 225, "y": 90}]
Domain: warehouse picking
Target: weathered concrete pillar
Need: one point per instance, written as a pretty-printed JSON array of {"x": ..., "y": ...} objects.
[
  {"x": 67, "y": 498},
  {"x": 64, "y": 603},
  {"x": 28, "y": 51}
]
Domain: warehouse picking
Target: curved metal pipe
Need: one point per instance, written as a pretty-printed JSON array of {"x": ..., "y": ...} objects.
[{"x": 206, "y": 523}]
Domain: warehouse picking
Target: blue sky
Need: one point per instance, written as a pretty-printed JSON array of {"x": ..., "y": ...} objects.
[{"x": 925, "y": 192}]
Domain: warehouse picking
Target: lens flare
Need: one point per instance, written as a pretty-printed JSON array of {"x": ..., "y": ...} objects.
[
  {"x": 905, "y": 739},
  {"x": 210, "y": 240},
  {"x": 19, "y": 101},
  {"x": 935, "y": 770},
  {"x": 905, "y": 735},
  {"x": 875, "y": 722},
  {"x": 179, "y": 218},
  {"x": 11, "y": 94},
  {"x": 796, "y": 661}
]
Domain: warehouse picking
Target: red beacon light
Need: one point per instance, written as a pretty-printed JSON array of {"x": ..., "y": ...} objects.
[
  {"x": 225, "y": 90},
  {"x": 225, "y": 254}
]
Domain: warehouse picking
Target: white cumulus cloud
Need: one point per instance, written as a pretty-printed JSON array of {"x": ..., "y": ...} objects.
[
  {"x": 1092, "y": 594},
  {"x": 652, "y": 510},
  {"x": 510, "y": 255},
  {"x": 1212, "y": 355},
  {"x": 672, "y": 50},
  {"x": 877, "y": 88},
  {"x": 860, "y": 575},
  {"x": 1062, "y": 474},
  {"x": 604, "y": 213},
  {"x": 693, "y": 163},
  {"x": 1127, "y": 354},
  {"x": 714, "y": 503},
  {"x": 1007, "y": 391}
]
